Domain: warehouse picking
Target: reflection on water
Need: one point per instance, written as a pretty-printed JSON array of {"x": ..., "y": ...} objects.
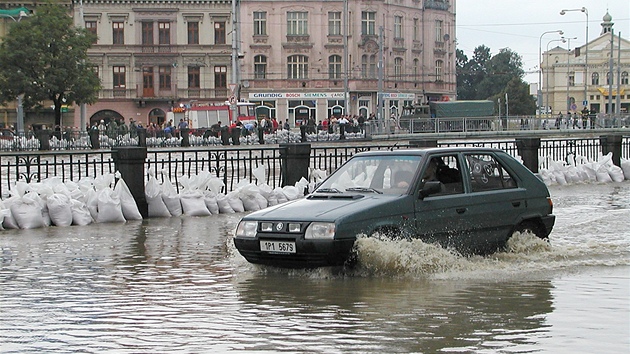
[{"x": 178, "y": 285}]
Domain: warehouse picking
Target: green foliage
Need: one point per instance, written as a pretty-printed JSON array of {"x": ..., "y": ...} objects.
[
  {"x": 44, "y": 57},
  {"x": 490, "y": 77}
]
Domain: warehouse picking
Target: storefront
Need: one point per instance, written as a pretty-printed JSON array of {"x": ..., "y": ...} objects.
[{"x": 298, "y": 107}]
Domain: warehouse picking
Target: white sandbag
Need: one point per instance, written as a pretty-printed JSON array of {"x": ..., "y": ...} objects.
[
  {"x": 602, "y": 175},
  {"x": 260, "y": 174},
  {"x": 153, "y": 194},
  {"x": 92, "y": 203},
  {"x": 215, "y": 185},
  {"x": 235, "y": 202},
  {"x": 591, "y": 171},
  {"x": 616, "y": 173},
  {"x": 280, "y": 196},
  {"x": 8, "y": 221},
  {"x": 247, "y": 194},
  {"x": 291, "y": 192},
  {"x": 224, "y": 205},
  {"x": 267, "y": 192},
  {"x": 59, "y": 209},
  {"x": 127, "y": 202},
  {"x": 171, "y": 198},
  {"x": 560, "y": 179},
  {"x": 262, "y": 201},
  {"x": 80, "y": 214},
  {"x": 210, "y": 199},
  {"x": 193, "y": 203},
  {"x": 2, "y": 212},
  {"x": 109, "y": 207},
  {"x": 27, "y": 212}
]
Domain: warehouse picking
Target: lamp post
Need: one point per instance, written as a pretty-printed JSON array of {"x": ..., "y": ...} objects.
[
  {"x": 583, "y": 10},
  {"x": 569, "y": 71},
  {"x": 539, "y": 91},
  {"x": 547, "y": 77}
]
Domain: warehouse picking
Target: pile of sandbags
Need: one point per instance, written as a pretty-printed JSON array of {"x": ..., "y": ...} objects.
[
  {"x": 53, "y": 202},
  {"x": 579, "y": 169}
]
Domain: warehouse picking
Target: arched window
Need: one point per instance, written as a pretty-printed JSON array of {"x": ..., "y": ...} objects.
[
  {"x": 595, "y": 79},
  {"x": 438, "y": 70},
  {"x": 608, "y": 77},
  {"x": 297, "y": 67},
  {"x": 334, "y": 67},
  {"x": 624, "y": 78},
  {"x": 260, "y": 67},
  {"x": 373, "y": 72}
]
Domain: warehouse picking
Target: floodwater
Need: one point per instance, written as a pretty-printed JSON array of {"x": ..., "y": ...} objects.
[{"x": 178, "y": 285}]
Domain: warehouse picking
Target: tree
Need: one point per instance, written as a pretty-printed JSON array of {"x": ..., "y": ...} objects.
[
  {"x": 520, "y": 102},
  {"x": 44, "y": 57}
]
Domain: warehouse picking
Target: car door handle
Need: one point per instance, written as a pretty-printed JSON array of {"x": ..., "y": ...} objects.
[
  {"x": 516, "y": 204},
  {"x": 461, "y": 210}
]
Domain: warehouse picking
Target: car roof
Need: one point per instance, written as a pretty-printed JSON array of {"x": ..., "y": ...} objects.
[{"x": 426, "y": 151}]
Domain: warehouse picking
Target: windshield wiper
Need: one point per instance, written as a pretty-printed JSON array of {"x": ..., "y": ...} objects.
[
  {"x": 328, "y": 190},
  {"x": 363, "y": 189}
]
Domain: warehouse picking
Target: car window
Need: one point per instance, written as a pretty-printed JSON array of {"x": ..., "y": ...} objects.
[
  {"x": 487, "y": 173},
  {"x": 387, "y": 174},
  {"x": 447, "y": 171}
]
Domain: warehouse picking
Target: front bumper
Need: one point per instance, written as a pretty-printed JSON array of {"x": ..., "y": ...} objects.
[{"x": 309, "y": 253}]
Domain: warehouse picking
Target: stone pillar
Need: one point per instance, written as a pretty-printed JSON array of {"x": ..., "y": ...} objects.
[
  {"x": 528, "y": 150},
  {"x": 295, "y": 162},
  {"x": 185, "y": 137},
  {"x": 44, "y": 139},
  {"x": 612, "y": 143},
  {"x": 423, "y": 143},
  {"x": 130, "y": 162},
  {"x": 94, "y": 139},
  {"x": 142, "y": 137}
]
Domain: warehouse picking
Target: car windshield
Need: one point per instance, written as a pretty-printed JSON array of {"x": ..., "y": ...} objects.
[{"x": 373, "y": 174}]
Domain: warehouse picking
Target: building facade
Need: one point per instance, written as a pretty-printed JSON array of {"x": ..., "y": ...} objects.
[
  {"x": 153, "y": 56},
  {"x": 568, "y": 85}
]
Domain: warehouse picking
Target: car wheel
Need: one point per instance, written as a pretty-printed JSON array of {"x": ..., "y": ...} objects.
[{"x": 529, "y": 226}]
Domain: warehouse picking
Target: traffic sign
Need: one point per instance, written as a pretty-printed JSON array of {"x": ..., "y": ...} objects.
[
  {"x": 232, "y": 99},
  {"x": 585, "y": 103},
  {"x": 232, "y": 88}
]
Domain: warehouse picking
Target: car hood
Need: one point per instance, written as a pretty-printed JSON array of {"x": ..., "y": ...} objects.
[{"x": 325, "y": 208}]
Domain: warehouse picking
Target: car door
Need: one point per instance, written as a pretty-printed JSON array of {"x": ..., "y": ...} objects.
[
  {"x": 443, "y": 217},
  {"x": 496, "y": 201}
]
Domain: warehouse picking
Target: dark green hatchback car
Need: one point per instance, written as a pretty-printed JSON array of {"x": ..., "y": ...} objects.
[{"x": 470, "y": 199}]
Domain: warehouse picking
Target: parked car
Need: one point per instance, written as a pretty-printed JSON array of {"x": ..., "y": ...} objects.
[{"x": 470, "y": 199}]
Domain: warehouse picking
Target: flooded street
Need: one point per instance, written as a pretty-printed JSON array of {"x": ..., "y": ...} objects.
[{"x": 179, "y": 285}]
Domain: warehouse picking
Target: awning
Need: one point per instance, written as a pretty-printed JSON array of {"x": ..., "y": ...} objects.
[
  {"x": 604, "y": 91},
  {"x": 15, "y": 14}
]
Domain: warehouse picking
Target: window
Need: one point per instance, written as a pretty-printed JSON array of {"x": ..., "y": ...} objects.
[
  {"x": 486, "y": 173},
  {"x": 595, "y": 79},
  {"x": 260, "y": 23},
  {"x": 373, "y": 72},
  {"x": 219, "y": 33},
  {"x": 297, "y": 67},
  {"x": 608, "y": 78},
  {"x": 447, "y": 171},
  {"x": 416, "y": 69},
  {"x": 194, "y": 77},
  {"x": 165, "y": 78},
  {"x": 147, "y": 33},
  {"x": 398, "y": 27},
  {"x": 364, "y": 66},
  {"x": 438, "y": 31},
  {"x": 118, "y": 33},
  {"x": 220, "y": 77},
  {"x": 119, "y": 77},
  {"x": 334, "y": 23},
  {"x": 297, "y": 23},
  {"x": 334, "y": 67},
  {"x": 193, "y": 32},
  {"x": 90, "y": 26},
  {"x": 624, "y": 78},
  {"x": 368, "y": 23},
  {"x": 572, "y": 78},
  {"x": 438, "y": 70},
  {"x": 260, "y": 67},
  {"x": 164, "y": 32},
  {"x": 398, "y": 68},
  {"x": 416, "y": 29}
]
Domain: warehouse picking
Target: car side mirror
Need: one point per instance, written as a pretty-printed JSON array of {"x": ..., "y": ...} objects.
[{"x": 430, "y": 187}]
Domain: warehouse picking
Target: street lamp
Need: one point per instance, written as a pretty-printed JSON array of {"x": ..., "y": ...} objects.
[
  {"x": 584, "y": 10},
  {"x": 547, "y": 78},
  {"x": 569, "y": 71},
  {"x": 539, "y": 91}
]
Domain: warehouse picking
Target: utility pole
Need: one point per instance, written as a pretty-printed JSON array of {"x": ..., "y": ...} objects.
[
  {"x": 234, "y": 87},
  {"x": 346, "y": 97},
  {"x": 379, "y": 116},
  {"x": 611, "y": 76}
]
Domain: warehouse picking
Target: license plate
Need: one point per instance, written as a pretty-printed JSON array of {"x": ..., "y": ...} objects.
[{"x": 277, "y": 246}]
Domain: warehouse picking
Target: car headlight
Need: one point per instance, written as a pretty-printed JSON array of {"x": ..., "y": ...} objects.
[
  {"x": 246, "y": 229},
  {"x": 320, "y": 230}
]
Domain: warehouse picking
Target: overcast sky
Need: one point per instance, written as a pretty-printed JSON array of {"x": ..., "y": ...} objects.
[{"x": 518, "y": 25}]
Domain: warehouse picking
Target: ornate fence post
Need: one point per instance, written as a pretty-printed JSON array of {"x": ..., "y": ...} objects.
[
  {"x": 295, "y": 160},
  {"x": 130, "y": 162},
  {"x": 528, "y": 150},
  {"x": 612, "y": 143}
]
